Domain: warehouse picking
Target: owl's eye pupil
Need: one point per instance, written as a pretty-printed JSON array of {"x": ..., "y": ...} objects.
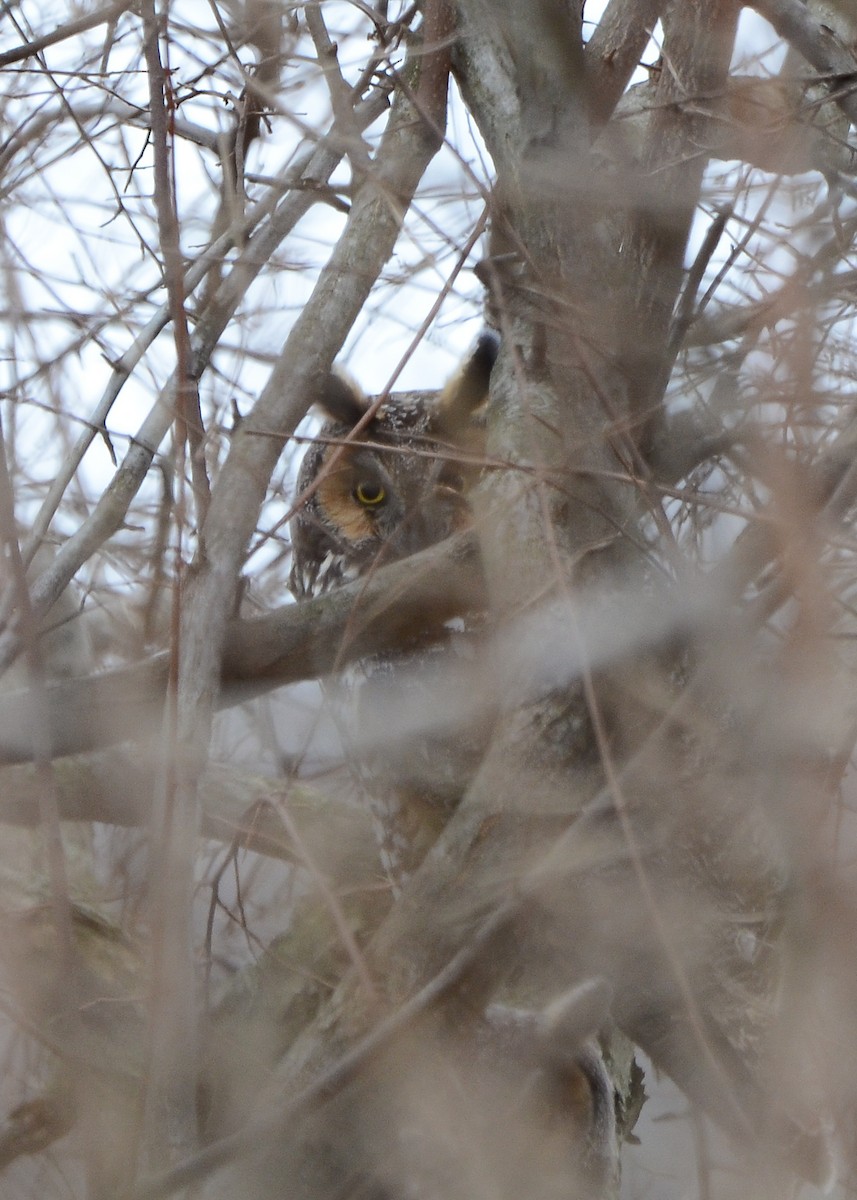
[{"x": 370, "y": 494}]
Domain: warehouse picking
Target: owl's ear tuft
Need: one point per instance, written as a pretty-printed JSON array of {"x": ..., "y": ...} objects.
[
  {"x": 485, "y": 353},
  {"x": 467, "y": 391},
  {"x": 341, "y": 400}
]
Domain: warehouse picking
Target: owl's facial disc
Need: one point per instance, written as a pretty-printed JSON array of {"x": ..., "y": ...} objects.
[{"x": 354, "y": 494}]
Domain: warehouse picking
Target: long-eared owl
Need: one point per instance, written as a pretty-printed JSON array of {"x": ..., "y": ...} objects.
[
  {"x": 398, "y": 486},
  {"x": 415, "y": 726}
]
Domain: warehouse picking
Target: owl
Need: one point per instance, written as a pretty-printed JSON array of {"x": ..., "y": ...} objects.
[{"x": 397, "y": 486}]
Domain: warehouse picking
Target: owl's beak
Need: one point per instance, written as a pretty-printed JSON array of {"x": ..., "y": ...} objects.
[{"x": 445, "y": 512}]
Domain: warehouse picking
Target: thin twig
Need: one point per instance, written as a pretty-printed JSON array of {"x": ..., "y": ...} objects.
[{"x": 686, "y": 307}]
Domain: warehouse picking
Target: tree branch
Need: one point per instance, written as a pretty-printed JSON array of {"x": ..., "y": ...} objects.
[
  {"x": 801, "y": 28},
  {"x": 767, "y": 123},
  {"x": 188, "y": 412},
  {"x": 115, "y": 786},
  {"x": 101, "y": 16},
  {"x": 613, "y": 52},
  {"x": 697, "y": 49},
  {"x": 298, "y": 641}
]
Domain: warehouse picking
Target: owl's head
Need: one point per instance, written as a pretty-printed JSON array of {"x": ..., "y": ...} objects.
[{"x": 400, "y": 485}]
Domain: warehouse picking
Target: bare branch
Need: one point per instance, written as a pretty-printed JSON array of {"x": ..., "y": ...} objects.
[
  {"x": 697, "y": 50},
  {"x": 820, "y": 47},
  {"x": 292, "y": 643},
  {"x": 187, "y": 391},
  {"x": 613, "y": 52},
  {"x": 772, "y": 124},
  {"x": 115, "y": 787},
  {"x": 101, "y": 16}
]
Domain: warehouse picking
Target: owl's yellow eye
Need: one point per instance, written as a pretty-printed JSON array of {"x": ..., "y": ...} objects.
[{"x": 370, "y": 494}]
